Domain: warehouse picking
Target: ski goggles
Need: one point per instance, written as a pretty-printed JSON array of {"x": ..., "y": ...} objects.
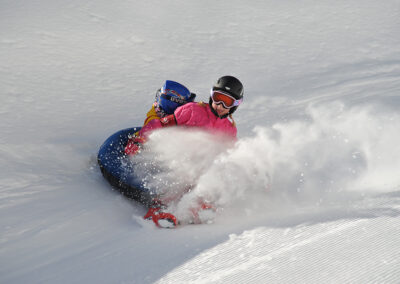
[
  {"x": 225, "y": 99},
  {"x": 173, "y": 96}
]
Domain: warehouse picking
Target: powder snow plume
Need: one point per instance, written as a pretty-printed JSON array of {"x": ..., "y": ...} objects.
[{"x": 336, "y": 153}]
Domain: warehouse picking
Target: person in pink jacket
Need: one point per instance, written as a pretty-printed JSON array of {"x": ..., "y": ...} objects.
[{"x": 215, "y": 117}]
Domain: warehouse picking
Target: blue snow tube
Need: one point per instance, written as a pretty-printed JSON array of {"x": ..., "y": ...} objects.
[{"x": 117, "y": 168}]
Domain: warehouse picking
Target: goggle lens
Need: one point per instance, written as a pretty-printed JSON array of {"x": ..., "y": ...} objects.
[{"x": 227, "y": 100}]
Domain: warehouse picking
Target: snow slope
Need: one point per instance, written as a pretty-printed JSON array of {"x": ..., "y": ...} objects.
[{"x": 315, "y": 194}]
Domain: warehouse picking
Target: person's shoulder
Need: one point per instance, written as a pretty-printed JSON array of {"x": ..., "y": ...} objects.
[
  {"x": 151, "y": 114},
  {"x": 231, "y": 120},
  {"x": 202, "y": 104},
  {"x": 194, "y": 105},
  {"x": 231, "y": 126}
]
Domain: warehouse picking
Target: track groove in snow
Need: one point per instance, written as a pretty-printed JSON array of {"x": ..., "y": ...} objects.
[{"x": 311, "y": 253}]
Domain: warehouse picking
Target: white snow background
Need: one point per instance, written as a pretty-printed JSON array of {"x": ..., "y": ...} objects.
[{"x": 310, "y": 193}]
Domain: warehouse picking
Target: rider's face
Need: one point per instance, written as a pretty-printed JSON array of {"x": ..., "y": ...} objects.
[{"x": 219, "y": 108}]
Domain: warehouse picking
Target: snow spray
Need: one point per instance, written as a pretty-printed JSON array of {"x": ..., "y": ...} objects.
[{"x": 334, "y": 155}]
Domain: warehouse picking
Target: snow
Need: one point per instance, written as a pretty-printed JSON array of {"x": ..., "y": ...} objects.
[{"x": 315, "y": 197}]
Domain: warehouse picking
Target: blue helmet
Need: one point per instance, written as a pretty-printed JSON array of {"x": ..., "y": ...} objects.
[{"x": 173, "y": 95}]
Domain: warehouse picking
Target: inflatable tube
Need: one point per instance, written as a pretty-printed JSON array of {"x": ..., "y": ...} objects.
[{"x": 117, "y": 168}]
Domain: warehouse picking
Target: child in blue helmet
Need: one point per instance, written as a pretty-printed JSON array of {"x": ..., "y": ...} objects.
[{"x": 168, "y": 98}]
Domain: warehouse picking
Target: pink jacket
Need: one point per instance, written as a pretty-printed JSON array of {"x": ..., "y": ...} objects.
[{"x": 196, "y": 115}]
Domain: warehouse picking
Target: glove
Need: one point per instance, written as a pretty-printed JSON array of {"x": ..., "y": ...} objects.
[
  {"x": 204, "y": 213},
  {"x": 134, "y": 145},
  {"x": 168, "y": 120},
  {"x": 160, "y": 218}
]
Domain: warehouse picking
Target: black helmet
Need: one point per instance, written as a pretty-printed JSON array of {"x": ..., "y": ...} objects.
[{"x": 230, "y": 85}]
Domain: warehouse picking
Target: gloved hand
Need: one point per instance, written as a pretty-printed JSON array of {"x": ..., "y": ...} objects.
[
  {"x": 204, "y": 213},
  {"x": 168, "y": 121},
  {"x": 134, "y": 145}
]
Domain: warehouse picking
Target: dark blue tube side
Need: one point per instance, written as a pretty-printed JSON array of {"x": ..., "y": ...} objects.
[{"x": 117, "y": 167}]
